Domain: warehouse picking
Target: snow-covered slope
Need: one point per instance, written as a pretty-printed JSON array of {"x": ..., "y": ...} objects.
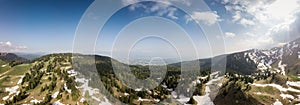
[{"x": 283, "y": 59}]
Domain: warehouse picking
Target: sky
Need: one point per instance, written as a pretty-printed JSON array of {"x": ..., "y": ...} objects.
[
  {"x": 39, "y": 25},
  {"x": 169, "y": 28}
]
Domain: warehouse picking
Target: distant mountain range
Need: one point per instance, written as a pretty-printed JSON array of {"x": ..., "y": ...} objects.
[
  {"x": 30, "y": 56},
  {"x": 10, "y": 57},
  {"x": 285, "y": 58}
]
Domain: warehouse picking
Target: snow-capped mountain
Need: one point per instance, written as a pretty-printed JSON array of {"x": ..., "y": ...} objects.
[{"x": 283, "y": 59}]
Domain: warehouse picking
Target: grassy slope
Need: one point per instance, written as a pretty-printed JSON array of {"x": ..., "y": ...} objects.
[
  {"x": 19, "y": 69},
  {"x": 10, "y": 76},
  {"x": 3, "y": 69},
  {"x": 231, "y": 94}
]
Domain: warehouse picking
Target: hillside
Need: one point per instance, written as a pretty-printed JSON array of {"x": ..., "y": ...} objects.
[
  {"x": 53, "y": 79},
  {"x": 253, "y": 77},
  {"x": 275, "y": 78},
  {"x": 10, "y": 57},
  {"x": 44, "y": 81},
  {"x": 30, "y": 56}
]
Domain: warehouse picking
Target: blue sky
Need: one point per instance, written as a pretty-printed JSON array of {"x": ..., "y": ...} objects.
[
  {"x": 40, "y": 25},
  {"x": 50, "y": 25}
]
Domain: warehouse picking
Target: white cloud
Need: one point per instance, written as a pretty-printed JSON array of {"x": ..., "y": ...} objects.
[
  {"x": 264, "y": 11},
  {"x": 166, "y": 9},
  {"x": 277, "y": 35},
  {"x": 229, "y": 34},
  {"x": 225, "y": 1},
  {"x": 171, "y": 13},
  {"x": 228, "y": 8},
  {"x": 272, "y": 22},
  {"x": 159, "y": 8},
  {"x": 237, "y": 16},
  {"x": 282, "y": 9},
  {"x": 250, "y": 34},
  {"x": 246, "y": 22},
  {"x": 285, "y": 32},
  {"x": 207, "y": 17},
  {"x": 9, "y": 47},
  {"x": 138, "y": 5}
]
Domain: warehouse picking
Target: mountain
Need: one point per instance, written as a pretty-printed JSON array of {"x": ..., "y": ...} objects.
[
  {"x": 45, "y": 80},
  {"x": 284, "y": 59},
  {"x": 257, "y": 77},
  {"x": 253, "y": 77},
  {"x": 30, "y": 56},
  {"x": 275, "y": 74},
  {"x": 10, "y": 57}
]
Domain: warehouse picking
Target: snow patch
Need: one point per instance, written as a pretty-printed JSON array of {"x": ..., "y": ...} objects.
[
  {"x": 261, "y": 66},
  {"x": 252, "y": 56},
  {"x": 210, "y": 82},
  {"x": 140, "y": 99},
  {"x": 106, "y": 102},
  {"x": 138, "y": 89},
  {"x": 203, "y": 100},
  {"x": 85, "y": 87},
  {"x": 277, "y": 86},
  {"x": 156, "y": 100},
  {"x": 12, "y": 90},
  {"x": 20, "y": 80},
  {"x": 281, "y": 53},
  {"x": 284, "y": 96},
  {"x": 295, "y": 46},
  {"x": 277, "y": 102},
  {"x": 55, "y": 94},
  {"x": 205, "y": 77},
  {"x": 72, "y": 72},
  {"x": 297, "y": 84},
  {"x": 82, "y": 100},
  {"x": 35, "y": 101},
  {"x": 66, "y": 88},
  {"x": 282, "y": 67},
  {"x": 126, "y": 94},
  {"x": 57, "y": 103},
  {"x": 5, "y": 98},
  {"x": 164, "y": 85},
  {"x": 182, "y": 99}
]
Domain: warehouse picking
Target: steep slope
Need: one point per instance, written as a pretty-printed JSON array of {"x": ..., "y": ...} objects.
[{"x": 284, "y": 59}]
